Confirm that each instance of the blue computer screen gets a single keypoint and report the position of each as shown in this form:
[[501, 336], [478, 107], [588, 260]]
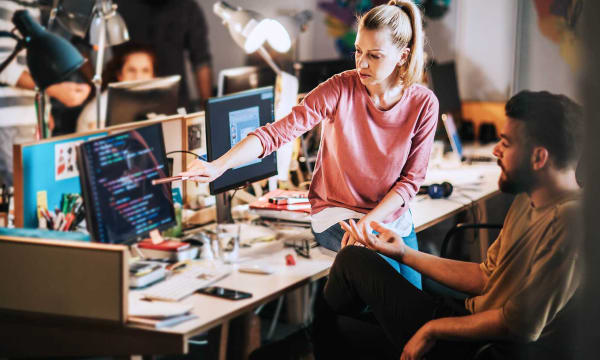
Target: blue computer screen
[[229, 119]]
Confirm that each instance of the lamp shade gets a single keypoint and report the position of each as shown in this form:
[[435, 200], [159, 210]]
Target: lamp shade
[[286, 30], [115, 28], [50, 58], [248, 29]]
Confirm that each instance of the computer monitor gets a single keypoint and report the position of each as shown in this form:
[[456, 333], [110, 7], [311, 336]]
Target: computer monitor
[[311, 73], [456, 144], [445, 86], [244, 78], [116, 175], [453, 136], [130, 101], [229, 119]]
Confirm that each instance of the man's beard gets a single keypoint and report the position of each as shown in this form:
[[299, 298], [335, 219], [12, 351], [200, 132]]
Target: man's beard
[[521, 179]]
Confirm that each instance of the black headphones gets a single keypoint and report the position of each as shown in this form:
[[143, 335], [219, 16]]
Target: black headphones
[[437, 191]]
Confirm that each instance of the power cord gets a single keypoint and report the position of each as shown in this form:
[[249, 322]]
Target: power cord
[[185, 152]]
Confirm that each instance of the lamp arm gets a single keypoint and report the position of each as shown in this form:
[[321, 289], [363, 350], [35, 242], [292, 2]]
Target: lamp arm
[[29, 4], [265, 55], [18, 48]]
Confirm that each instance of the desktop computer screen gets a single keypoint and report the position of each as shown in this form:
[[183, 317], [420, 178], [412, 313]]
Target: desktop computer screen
[[244, 78], [229, 119], [116, 174], [311, 73], [130, 101], [445, 86]]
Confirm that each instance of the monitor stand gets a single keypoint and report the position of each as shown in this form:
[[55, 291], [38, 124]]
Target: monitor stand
[[224, 208]]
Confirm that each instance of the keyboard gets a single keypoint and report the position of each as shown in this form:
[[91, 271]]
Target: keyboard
[[181, 285]]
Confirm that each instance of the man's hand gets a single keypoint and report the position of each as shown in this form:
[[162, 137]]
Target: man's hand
[[418, 345], [387, 242], [69, 93], [203, 171]]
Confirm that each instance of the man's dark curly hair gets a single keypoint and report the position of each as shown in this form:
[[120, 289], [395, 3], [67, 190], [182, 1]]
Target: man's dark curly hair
[[552, 121]]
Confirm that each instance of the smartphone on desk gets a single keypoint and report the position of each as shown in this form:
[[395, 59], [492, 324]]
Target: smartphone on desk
[[225, 293]]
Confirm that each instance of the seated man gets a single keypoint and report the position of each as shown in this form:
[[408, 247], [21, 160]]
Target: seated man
[[518, 294]]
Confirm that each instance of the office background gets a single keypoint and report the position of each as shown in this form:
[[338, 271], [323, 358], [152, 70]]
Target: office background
[[518, 56]]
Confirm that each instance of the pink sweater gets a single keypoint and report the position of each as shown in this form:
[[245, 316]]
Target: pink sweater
[[365, 152]]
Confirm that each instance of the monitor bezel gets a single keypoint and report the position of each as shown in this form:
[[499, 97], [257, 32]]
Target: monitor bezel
[[209, 150], [91, 217]]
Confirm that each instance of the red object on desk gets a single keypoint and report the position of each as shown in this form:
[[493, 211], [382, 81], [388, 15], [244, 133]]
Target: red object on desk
[[289, 260]]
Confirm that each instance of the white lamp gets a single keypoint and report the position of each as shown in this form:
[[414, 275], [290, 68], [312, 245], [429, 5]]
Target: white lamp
[[250, 31], [248, 28], [286, 30], [107, 29]]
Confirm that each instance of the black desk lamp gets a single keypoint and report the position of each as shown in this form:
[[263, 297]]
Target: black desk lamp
[[50, 58]]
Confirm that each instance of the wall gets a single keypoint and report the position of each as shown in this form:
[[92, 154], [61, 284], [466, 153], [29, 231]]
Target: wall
[[485, 41], [540, 65]]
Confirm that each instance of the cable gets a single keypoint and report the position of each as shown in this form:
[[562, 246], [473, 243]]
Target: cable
[[234, 191], [183, 151]]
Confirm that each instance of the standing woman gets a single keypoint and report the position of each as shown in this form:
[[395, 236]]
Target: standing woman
[[378, 126]]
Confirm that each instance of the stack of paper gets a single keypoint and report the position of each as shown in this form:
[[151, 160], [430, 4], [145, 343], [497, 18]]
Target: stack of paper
[[169, 249], [158, 314]]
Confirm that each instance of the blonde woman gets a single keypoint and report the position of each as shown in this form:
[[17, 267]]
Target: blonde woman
[[378, 125]]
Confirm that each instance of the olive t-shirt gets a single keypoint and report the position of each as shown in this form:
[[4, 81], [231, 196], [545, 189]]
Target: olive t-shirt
[[533, 267]]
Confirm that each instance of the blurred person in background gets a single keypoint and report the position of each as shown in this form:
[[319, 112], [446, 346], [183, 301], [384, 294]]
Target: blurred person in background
[[173, 27], [130, 62]]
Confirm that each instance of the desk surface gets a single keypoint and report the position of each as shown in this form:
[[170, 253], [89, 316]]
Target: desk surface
[[472, 183], [426, 212], [212, 311], [74, 340]]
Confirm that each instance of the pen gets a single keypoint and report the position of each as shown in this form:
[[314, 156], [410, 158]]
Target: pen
[[47, 217], [169, 179]]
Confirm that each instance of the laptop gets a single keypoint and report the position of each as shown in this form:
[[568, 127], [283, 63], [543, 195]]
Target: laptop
[[456, 143]]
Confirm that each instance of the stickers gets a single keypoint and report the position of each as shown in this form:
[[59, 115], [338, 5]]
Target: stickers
[[65, 160]]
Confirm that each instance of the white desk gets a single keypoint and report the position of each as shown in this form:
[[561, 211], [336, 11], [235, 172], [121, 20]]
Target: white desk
[[59, 337], [212, 311]]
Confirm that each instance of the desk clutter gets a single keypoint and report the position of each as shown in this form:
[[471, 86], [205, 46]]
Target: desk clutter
[[158, 314], [64, 218], [279, 204], [4, 204], [170, 250]]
